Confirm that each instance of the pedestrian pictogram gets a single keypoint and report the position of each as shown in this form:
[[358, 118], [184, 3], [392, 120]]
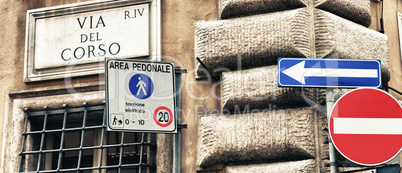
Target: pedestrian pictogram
[[117, 120], [141, 86]]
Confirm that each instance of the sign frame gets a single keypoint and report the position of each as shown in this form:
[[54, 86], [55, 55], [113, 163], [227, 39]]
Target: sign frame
[[32, 74], [174, 110], [325, 70]]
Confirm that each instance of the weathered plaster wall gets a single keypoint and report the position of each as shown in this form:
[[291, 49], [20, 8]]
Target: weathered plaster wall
[[179, 18], [391, 30], [12, 37]]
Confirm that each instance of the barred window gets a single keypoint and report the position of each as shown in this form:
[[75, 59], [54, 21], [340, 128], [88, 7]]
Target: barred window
[[75, 140]]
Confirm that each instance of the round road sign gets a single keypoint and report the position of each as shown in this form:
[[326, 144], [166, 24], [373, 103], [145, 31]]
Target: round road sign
[[366, 126], [141, 86], [163, 116]]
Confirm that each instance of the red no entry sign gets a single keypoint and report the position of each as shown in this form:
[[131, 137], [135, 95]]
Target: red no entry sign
[[366, 126]]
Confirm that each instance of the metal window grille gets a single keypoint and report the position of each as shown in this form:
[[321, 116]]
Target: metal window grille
[[76, 140]]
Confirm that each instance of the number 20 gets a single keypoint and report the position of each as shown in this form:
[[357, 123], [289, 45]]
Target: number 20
[[163, 117]]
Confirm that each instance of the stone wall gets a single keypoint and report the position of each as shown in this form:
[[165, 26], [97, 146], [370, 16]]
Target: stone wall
[[258, 40], [263, 126], [292, 166], [266, 135]]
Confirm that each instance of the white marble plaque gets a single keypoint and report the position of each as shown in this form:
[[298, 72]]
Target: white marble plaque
[[72, 40], [90, 37]]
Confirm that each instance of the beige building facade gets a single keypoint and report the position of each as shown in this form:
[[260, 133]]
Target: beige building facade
[[52, 99]]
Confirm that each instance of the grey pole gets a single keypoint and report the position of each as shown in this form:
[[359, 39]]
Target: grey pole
[[177, 136], [332, 151]]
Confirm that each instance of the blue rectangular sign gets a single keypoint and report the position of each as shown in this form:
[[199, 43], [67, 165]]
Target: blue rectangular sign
[[334, 73]]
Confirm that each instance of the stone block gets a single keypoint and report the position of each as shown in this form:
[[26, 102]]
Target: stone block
[[355, 10], [252, 41], [260, 136], [235, 8], [304, 166], [256, 41], [257, 88], [336, 37]]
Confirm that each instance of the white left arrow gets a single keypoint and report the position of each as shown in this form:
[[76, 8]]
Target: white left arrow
[[299, 72]]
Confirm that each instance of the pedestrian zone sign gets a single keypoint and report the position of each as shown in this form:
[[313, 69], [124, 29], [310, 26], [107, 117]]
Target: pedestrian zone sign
[[140, 96]]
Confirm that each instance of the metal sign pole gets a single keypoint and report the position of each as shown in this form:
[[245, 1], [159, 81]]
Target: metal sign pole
[[177, 136], [330, 101]]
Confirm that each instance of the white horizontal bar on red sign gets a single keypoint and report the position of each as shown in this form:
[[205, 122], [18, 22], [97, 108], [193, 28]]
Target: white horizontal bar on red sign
[[386, 126]]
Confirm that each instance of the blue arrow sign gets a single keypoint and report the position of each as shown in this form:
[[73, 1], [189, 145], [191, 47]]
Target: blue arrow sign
[[342, 73]]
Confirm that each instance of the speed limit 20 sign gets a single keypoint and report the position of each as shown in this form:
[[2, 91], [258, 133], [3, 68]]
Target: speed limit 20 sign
[[163, 116], [140, 96]]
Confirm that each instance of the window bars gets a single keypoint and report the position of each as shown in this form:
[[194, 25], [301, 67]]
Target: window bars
[[75, 140]]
